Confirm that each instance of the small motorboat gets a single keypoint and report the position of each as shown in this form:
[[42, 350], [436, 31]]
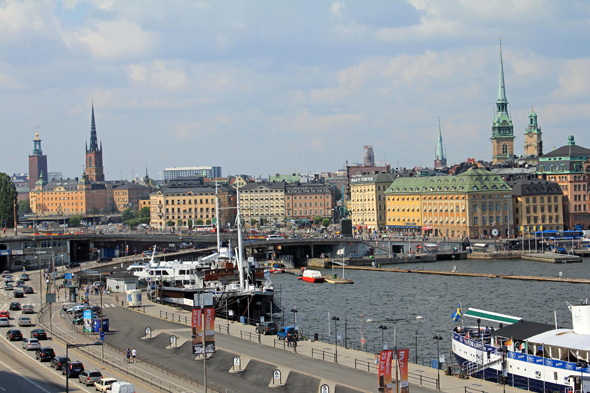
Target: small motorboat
[[312, 276]]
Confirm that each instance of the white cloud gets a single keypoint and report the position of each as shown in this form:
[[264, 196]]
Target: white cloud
[[111, 39], [574, 79], [8, 82], [201, 130], [336, 9], [16, 16]]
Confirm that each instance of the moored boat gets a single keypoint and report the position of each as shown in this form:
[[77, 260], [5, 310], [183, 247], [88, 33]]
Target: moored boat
[[338, 280], [312, 276]]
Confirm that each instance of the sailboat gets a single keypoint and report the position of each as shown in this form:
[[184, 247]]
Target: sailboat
[[334, 279]]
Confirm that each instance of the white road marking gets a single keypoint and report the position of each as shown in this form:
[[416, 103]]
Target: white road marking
[[25, 378]]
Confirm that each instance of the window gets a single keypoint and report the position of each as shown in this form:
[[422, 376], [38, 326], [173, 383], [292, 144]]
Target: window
[[483, 207], [475, 220], [484, 220]]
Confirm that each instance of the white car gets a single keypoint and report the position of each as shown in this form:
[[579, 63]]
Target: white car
[[76, 309], [104, 384], [25, 321], [31, 343], [4, 322]]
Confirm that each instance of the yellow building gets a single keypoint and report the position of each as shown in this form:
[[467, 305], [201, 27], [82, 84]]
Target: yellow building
[[367, 200], [263, 201]]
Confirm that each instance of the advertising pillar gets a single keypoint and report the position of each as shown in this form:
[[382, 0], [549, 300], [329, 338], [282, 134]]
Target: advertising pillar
[[385, 379]]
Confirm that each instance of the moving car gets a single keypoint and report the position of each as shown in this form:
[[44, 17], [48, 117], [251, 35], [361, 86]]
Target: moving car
[[4, 322], [31, 343], [39, 334], [72, 265], [103, 384], [104, 259], [8, 278], [89, 377], [44, 353], [28, 309], [24, 277], [122, 387], [72, 369], [19, 293], [29, 290], [267, 328], [5, 314], [14, 306], [25, 321], [14, 335], [6, 273], [58, 361]]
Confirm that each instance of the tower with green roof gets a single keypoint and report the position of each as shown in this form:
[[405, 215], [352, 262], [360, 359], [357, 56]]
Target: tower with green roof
[[533, 143], [502, 128]]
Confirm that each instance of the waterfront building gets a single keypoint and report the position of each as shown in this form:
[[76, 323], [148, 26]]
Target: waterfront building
[[502, 128], [37, 163], [565, 166], [204, 171], [440, 156], [470, 204], [94, 165], [308, 200], [367, 200], [533, 137], [127, 196], [536, 205], [263, 201], [184, 206]]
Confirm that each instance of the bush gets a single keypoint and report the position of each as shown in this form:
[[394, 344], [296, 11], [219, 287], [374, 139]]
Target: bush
[[135, 222]]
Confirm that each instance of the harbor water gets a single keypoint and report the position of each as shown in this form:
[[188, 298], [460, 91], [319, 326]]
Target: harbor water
[[378, 295]]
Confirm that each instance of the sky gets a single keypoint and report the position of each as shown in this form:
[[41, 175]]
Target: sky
[[265, 87]]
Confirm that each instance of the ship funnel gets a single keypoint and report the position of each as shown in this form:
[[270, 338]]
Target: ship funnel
[[580, 318]]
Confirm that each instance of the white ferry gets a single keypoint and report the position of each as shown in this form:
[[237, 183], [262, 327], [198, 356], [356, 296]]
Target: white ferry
[[528, 355]]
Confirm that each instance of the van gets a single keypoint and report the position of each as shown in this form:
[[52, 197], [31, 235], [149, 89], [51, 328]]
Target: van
[[122, 387], [285, 331], [274, 237]]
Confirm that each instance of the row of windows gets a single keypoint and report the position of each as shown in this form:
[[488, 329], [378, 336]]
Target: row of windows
[[489, 220], [544, 219], [541, 199], [190, 210], [190, 201], [300, 212], [489, 207], [578, 208], [189, 216], [541, 209]]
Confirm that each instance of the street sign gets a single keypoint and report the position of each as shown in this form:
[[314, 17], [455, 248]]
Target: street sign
[[102, 335], [148, 330], [385, 347], [173, 340], [50, 298], [325, 389], [494, 232], [276, 375], [68, 276], [237, 361]]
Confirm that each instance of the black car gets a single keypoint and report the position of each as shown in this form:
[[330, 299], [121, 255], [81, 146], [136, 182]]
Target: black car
[[73, 369], [14, 306], [104, 259], [19, 293], [29, 290], [44, 353], [267, 328], [14, 335], [39, 334], [72, 265], [58, 361]]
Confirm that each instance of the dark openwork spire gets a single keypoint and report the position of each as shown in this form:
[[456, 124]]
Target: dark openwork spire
[[93, 139]]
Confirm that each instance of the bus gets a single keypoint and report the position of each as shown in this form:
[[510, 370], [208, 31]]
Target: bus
[[559, 235]]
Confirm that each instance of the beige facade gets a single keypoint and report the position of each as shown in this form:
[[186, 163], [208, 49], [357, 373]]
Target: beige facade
[[128, 195], [367, 200], [263, 201], [308, 200], [537, 205]]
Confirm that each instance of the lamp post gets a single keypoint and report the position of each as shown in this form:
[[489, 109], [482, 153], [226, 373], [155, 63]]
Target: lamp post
[[294, 311], [395, 321], [67, 365], [416, 349], [437, 338], [382, 327], [336, 319], [504, 353], [582, 366]]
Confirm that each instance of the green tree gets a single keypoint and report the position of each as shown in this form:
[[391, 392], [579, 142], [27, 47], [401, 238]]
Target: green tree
[[170, 223], [179, 223], [127, 215], [208, 222], [325, 222], [75, 221], [8, 196], [144, 212], [190, 223], [252, 221], [337, 194], [317, 220], [199, 222], [24, 206]]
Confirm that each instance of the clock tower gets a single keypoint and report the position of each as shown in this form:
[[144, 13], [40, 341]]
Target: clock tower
[[502, 128], [533, 143]]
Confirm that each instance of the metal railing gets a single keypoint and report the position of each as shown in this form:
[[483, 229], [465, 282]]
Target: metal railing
[[422, 380], [324, 355]]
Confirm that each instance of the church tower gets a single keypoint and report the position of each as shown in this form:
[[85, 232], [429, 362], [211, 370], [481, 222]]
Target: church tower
[[440, 158], [533, 142], [502, 129], [37, 163], [94, 169]]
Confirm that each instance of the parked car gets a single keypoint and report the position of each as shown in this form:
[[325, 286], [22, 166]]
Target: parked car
[[104, 384], [58, 362], [14, 335], [28, 290], [28, 309], [104, 259], [25, 321], [14, 306], [44, 353], [67, 306], [72, 369], [284, 331], [72, 265], [76, 309], [88, 377], [19, 293], [267, 328], [31, 343], [39, 334]]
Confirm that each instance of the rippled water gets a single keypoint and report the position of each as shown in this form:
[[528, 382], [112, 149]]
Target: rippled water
[[434, 297]]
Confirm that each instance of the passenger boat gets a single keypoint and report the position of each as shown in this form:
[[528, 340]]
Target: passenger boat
[[312, 276], [528, 355]]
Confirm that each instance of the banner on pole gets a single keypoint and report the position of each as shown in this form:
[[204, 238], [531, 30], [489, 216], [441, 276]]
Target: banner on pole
[[402, 359], [210, 329], [197, 331], [385, 379]]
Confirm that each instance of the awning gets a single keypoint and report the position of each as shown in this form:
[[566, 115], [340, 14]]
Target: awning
[[491, 316], [427, 228], [482, 245]]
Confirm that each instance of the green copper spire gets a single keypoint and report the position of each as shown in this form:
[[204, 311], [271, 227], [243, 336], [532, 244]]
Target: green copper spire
[[501, 86]]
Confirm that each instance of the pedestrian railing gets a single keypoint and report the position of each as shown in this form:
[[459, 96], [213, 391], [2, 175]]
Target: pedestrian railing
[[422, 380], [186, 319], [324, 355]]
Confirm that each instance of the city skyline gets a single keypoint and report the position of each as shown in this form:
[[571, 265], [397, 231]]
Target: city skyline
[[278, 88]]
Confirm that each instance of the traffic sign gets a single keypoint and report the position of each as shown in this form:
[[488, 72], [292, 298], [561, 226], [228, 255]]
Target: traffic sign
[[325, 388], [148, 330], [102, 335], [277, 376], [494, 232], [172, 340]]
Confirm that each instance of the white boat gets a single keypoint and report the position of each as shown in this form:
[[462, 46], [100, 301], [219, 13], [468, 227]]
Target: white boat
[[527, 355]]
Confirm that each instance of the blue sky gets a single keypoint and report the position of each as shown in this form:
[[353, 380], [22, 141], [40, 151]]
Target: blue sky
[[276, 87]]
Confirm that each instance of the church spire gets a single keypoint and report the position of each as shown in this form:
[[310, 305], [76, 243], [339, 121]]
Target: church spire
[[440, 159], [501, 85], [93, 139], [502, 128]]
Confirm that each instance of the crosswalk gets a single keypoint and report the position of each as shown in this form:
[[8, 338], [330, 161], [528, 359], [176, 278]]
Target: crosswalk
[[4, 307]]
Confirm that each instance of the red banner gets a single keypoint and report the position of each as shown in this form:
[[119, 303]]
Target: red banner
[[385, 380], [197, 331], [402, 361], [210, 329]]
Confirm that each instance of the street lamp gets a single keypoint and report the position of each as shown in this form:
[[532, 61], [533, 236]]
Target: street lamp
[[582, 366], [336, 319], [437, 338], [504, 369], [294, 311], [67, 365], [382, 327]]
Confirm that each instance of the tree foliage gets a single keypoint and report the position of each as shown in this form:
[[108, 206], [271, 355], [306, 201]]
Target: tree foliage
[[190, 223], [170, 223], [317, 220], [325, 222], [208, 222], [24, 207], [144, 212], [127, 215], [75, 221], [8, 196], [199, 221]]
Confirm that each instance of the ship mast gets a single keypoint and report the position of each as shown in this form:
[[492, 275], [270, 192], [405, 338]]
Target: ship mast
[[240, 251], [217, 217]]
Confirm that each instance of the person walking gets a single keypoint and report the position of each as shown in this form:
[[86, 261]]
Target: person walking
[[128, 354], [134, 355]]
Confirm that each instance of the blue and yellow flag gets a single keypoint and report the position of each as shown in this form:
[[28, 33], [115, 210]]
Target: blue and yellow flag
[[458, 313]]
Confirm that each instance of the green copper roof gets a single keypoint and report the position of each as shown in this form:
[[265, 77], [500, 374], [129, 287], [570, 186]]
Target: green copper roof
[[474, 180]]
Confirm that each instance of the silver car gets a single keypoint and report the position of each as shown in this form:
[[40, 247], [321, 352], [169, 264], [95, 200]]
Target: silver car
[[31, 343], [88, 377], [28, 309]]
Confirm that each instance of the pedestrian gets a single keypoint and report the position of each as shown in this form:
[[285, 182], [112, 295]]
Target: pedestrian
[[134, 355], [289, 338], [295, 338], [128, 354]]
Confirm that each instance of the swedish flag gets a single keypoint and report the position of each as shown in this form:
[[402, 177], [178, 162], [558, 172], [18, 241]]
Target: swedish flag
[[458, 313]]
